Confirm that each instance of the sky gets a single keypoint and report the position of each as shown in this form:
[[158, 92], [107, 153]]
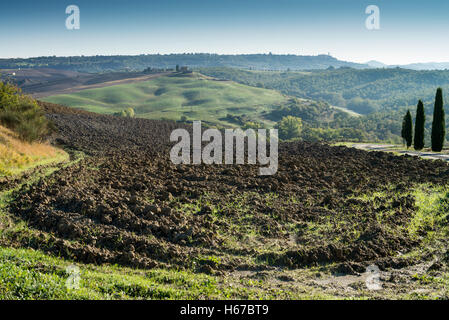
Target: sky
[[410, 31]]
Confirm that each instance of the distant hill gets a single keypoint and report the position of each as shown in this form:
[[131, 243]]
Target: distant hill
[[376, 64], [171, 97], [96, 64], [140, 62], [411, 66], [427, 66], [382, 95], [195, 97], [43, 82], [363, 91]]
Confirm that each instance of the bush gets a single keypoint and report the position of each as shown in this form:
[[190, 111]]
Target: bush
[[130, 112], [289, 128], [330, 134], [126, 113], [22, 114]]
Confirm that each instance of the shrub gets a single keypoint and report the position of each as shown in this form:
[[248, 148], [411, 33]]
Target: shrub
[[130, 112], [126, 113], [22, 114], [289, 128]]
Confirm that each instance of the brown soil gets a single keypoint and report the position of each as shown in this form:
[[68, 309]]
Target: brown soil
[[126, 203]]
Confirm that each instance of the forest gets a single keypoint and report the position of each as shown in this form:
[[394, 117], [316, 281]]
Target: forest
[[363, 91], [381, 96]]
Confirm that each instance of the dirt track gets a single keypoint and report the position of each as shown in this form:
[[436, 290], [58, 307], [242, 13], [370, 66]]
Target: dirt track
[[126, 203]]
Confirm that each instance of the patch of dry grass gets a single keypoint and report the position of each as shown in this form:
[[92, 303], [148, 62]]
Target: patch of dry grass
[[16, 155]]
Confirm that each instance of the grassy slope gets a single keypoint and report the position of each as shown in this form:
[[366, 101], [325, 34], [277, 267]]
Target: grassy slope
[[17, 156], [170, 97]]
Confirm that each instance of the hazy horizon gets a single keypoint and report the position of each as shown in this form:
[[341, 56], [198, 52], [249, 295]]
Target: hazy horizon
[[410, 31], [232, 54]]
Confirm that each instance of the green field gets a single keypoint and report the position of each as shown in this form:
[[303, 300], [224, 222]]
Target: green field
[[170, 97]]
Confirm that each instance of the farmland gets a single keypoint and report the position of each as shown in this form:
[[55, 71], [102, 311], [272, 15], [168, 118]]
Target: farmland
[[171, 97], [310, 231]]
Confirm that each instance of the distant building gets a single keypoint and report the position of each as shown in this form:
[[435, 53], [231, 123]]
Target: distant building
[[158, 70], [185, 70]]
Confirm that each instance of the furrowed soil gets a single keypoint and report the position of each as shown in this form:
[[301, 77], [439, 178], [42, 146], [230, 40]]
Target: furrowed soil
[[328, 209]]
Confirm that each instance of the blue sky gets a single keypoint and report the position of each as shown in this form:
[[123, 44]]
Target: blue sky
[[411, 31]]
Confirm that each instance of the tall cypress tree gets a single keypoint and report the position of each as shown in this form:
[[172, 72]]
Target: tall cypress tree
[[403, 130], [438, 124], [407, 129], [418, 141]]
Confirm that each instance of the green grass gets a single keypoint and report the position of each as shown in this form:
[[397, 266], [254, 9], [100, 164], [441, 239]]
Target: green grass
[[30, 274], [432, 213], [170, 97]]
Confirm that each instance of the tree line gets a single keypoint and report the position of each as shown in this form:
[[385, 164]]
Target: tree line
[[198, 60], [438, 125]]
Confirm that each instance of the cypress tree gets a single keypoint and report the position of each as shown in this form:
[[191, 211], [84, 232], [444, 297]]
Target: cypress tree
[[408, 129], [438, 124], [418, 141], [403, 130]]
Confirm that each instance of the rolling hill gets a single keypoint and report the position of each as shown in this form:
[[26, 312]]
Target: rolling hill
[[43, 82], [194, 96], [381, 95], [363, 91]]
